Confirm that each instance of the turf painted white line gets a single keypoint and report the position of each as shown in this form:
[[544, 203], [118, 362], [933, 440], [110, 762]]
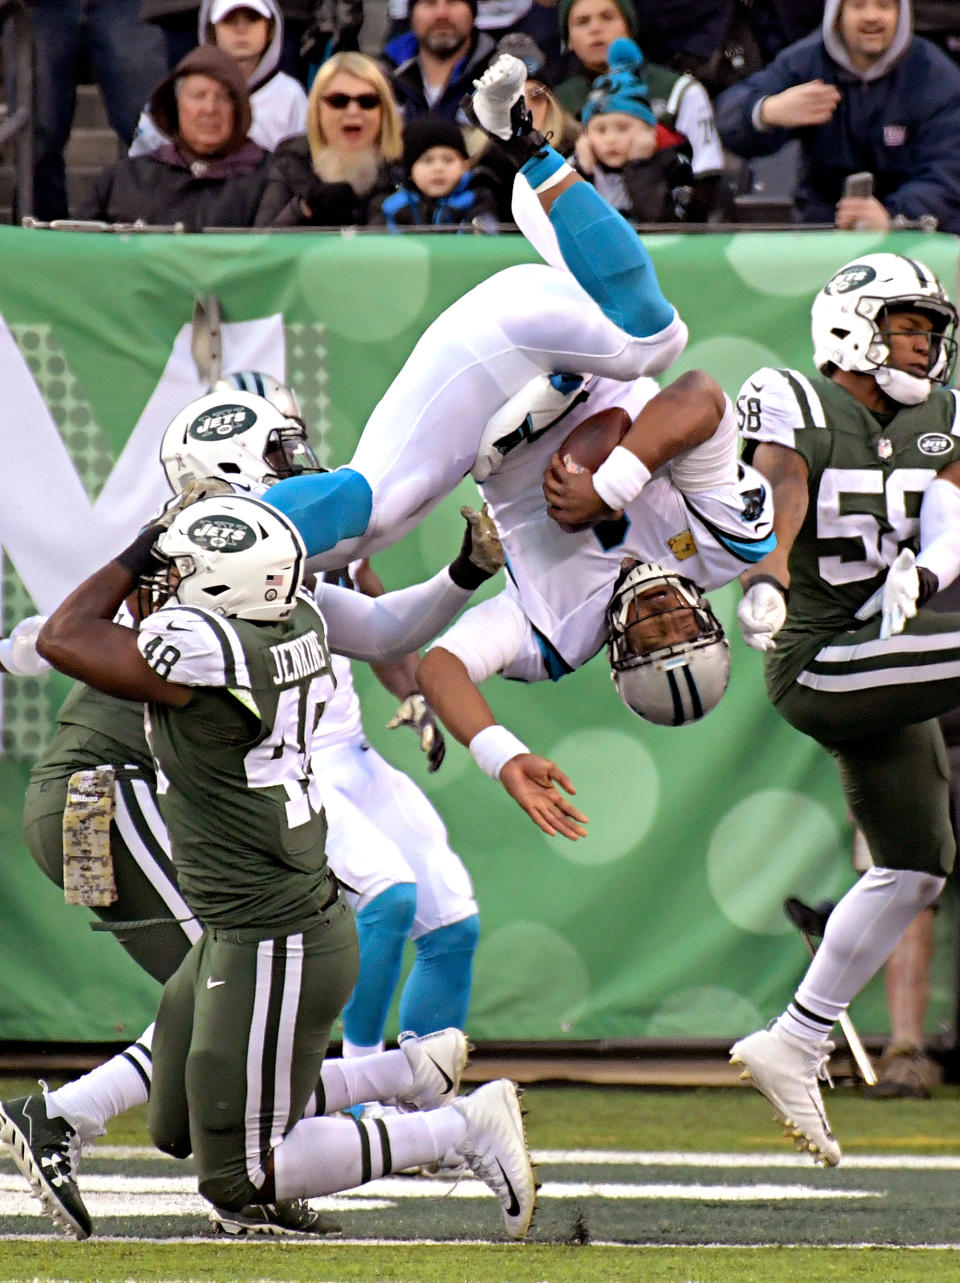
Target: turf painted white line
[[116, 1196], [641, 1158]]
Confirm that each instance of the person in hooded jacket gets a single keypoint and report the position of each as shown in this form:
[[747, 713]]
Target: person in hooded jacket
[[862, 94], [210, 173], [252, 32], [329, 176]]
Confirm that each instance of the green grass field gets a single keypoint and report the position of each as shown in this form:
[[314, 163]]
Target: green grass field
[[639, 1185]]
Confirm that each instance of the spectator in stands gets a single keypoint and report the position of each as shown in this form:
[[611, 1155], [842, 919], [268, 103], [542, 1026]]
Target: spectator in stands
[[535, 19], [126, 57], [680, 103], [209, 174], [550, 117], [348, 156], [863, 94], [619, 150], [252, 32], [440, 187], [334, 28], [177, 22], [451, 55]]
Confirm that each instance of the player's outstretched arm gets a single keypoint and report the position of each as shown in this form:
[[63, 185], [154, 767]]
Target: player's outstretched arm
[[684, 414], [529, 779], [400, 679]]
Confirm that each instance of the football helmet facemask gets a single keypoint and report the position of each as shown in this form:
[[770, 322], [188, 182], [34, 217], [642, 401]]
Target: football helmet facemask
[[669, 659], [230, 554], [237, 436], [848, 315]]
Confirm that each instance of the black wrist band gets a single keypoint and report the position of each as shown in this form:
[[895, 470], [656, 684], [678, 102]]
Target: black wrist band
[[466, 575], [929, 584], [768, 579], [137, 559]]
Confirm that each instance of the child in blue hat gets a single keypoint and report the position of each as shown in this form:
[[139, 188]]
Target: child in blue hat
[[643, 170]]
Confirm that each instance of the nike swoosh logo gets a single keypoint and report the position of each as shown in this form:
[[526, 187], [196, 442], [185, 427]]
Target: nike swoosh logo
[[757, 387], [212, 984], [513, 1207], [443, 1074], [176, 628]]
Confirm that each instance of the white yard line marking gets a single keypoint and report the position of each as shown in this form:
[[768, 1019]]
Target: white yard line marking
[[641, 1158]]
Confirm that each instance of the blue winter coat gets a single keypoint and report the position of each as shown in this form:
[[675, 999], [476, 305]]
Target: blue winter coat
[[904, 127]]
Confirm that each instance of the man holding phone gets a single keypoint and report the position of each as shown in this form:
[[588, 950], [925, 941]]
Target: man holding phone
[[868, 100]]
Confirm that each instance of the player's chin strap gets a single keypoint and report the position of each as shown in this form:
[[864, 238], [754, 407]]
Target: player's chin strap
[[904, 388]]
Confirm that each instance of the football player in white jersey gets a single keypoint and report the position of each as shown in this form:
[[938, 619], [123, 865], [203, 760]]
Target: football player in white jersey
[[702, 518], [594, 308]]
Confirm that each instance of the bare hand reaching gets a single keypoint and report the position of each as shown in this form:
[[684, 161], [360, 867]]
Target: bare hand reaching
[[531, 781]]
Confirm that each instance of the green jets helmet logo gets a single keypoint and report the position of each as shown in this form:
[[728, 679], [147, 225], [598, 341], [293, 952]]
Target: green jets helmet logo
[[850, 278], [222, 421], [222, 533]]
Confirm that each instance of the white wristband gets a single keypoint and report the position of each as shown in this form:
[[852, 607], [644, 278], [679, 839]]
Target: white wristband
[[493, 747], [620, 477]]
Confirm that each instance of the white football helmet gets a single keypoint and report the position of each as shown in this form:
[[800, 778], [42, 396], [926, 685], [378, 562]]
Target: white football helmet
[[232, 555], [846, 316], [265, 385], [669, 659], [236, 436]]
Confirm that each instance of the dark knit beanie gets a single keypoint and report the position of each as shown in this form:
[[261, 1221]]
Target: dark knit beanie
[[529, 52], [563, 16], [424, 132], [471, 3]]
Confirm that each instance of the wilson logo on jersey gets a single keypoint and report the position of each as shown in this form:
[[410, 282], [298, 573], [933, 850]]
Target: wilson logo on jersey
[[935, 443], [224, 421], [222, 534], [850, 278]]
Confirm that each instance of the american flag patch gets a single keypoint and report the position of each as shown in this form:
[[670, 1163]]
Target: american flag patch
[[274, 579], [894, 135]]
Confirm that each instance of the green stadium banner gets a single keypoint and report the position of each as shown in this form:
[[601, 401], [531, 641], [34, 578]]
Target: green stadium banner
[[666, 922]]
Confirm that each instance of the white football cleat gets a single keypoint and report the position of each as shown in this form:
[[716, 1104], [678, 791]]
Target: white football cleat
[[496, 93], [788, 1073], [437, 1061], [495, 1147]]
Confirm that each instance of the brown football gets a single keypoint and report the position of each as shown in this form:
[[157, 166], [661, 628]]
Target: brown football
[[589, 443]]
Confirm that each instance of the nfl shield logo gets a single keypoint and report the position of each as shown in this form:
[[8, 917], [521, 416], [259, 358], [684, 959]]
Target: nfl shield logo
[[884, 448], [894, 135]]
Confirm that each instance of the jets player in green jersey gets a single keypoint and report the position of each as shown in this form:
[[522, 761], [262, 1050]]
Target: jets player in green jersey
[[864, 461], [232, 662]]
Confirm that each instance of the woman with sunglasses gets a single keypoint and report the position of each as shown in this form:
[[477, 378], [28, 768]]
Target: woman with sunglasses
[[348, 156]]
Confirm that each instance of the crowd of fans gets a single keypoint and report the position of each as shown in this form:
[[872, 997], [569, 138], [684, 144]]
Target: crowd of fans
[[242, 113]]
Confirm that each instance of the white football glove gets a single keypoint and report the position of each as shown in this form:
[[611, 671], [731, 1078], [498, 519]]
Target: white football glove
[[901, 588], [761, 615], [18, 652], [415, 713]]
